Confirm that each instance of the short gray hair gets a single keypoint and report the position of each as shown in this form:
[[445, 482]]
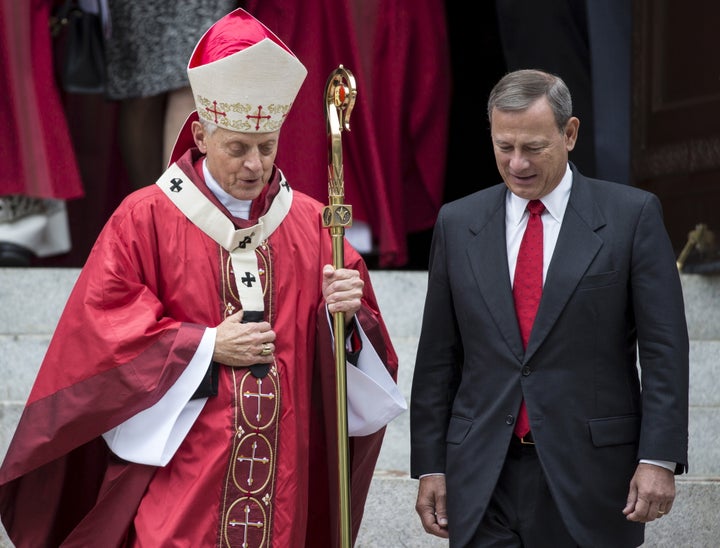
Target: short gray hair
[[517, 90], [209, 127]]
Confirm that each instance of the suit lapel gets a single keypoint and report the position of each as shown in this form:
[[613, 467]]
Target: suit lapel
[[577, 245], [487, 254]]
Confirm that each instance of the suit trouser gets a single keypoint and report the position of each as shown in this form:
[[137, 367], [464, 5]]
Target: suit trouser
[[522, 512]]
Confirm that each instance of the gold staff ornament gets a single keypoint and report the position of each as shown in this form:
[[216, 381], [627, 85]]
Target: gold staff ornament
[[340, 94]]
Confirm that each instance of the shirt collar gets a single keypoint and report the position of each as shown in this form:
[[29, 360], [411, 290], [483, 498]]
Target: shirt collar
[[555, 202], [239, 208]]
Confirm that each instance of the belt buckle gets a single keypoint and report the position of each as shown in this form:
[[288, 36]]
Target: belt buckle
[[527, 439]]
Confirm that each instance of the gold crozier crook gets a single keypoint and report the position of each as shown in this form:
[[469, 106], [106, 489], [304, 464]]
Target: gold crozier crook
[[340, 93]]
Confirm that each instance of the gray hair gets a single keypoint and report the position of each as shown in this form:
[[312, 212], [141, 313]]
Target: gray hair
[[209, 127], [518, 90]]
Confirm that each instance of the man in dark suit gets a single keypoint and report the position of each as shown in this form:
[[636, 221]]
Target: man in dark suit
[[605, 442]]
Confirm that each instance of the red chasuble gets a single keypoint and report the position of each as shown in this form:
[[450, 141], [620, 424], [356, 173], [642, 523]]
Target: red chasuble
[[152, 284]]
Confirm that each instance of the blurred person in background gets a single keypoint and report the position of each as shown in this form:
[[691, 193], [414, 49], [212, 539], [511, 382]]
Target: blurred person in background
[[147, 48], [40, 171]]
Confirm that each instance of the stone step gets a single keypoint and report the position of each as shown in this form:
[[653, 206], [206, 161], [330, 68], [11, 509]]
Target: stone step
[[31, 301], [390, 520]]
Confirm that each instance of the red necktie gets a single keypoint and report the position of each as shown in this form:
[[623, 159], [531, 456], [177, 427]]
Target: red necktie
[[527, 288]]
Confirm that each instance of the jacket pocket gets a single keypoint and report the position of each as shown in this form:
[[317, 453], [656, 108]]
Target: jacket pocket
[[458, 429], [595, 281], [614, 430]]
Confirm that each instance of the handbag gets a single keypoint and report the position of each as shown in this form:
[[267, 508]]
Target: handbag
[[80, 47]]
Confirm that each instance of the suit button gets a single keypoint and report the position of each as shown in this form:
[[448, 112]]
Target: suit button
[[526, 371], [509, 419]]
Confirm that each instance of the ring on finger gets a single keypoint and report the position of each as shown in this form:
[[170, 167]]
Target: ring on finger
[[266, 350]]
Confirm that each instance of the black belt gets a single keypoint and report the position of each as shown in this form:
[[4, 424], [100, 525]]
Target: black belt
[[522, 447], [526, 442], [527, 439]]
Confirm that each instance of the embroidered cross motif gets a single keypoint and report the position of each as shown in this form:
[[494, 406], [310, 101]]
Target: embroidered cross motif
[[252, 459], [215, 111], [285, 185], [175, 185], [259, 395], [245, 524], [252, 465], [258, 117], [248, 279], [246, 240]]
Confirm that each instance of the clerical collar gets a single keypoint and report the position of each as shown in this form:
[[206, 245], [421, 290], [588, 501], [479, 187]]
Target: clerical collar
[[238, 208]]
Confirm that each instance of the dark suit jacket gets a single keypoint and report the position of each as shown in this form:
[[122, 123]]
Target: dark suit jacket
[[612, 298]]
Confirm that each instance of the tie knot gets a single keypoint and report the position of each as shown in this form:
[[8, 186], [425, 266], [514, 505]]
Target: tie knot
[[535, 207]]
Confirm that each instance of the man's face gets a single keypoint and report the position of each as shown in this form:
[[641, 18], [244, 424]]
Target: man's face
[[531, 153], [240, 162]]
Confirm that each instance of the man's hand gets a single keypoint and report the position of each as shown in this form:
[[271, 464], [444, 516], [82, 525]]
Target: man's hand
[[430, 505], [241, 344], [342, 290], [651, 494]]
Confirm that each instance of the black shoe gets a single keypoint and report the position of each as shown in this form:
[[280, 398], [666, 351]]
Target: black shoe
[[15, 255]]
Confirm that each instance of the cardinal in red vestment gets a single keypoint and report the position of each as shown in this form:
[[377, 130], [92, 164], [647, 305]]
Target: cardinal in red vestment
[[187, 397]]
